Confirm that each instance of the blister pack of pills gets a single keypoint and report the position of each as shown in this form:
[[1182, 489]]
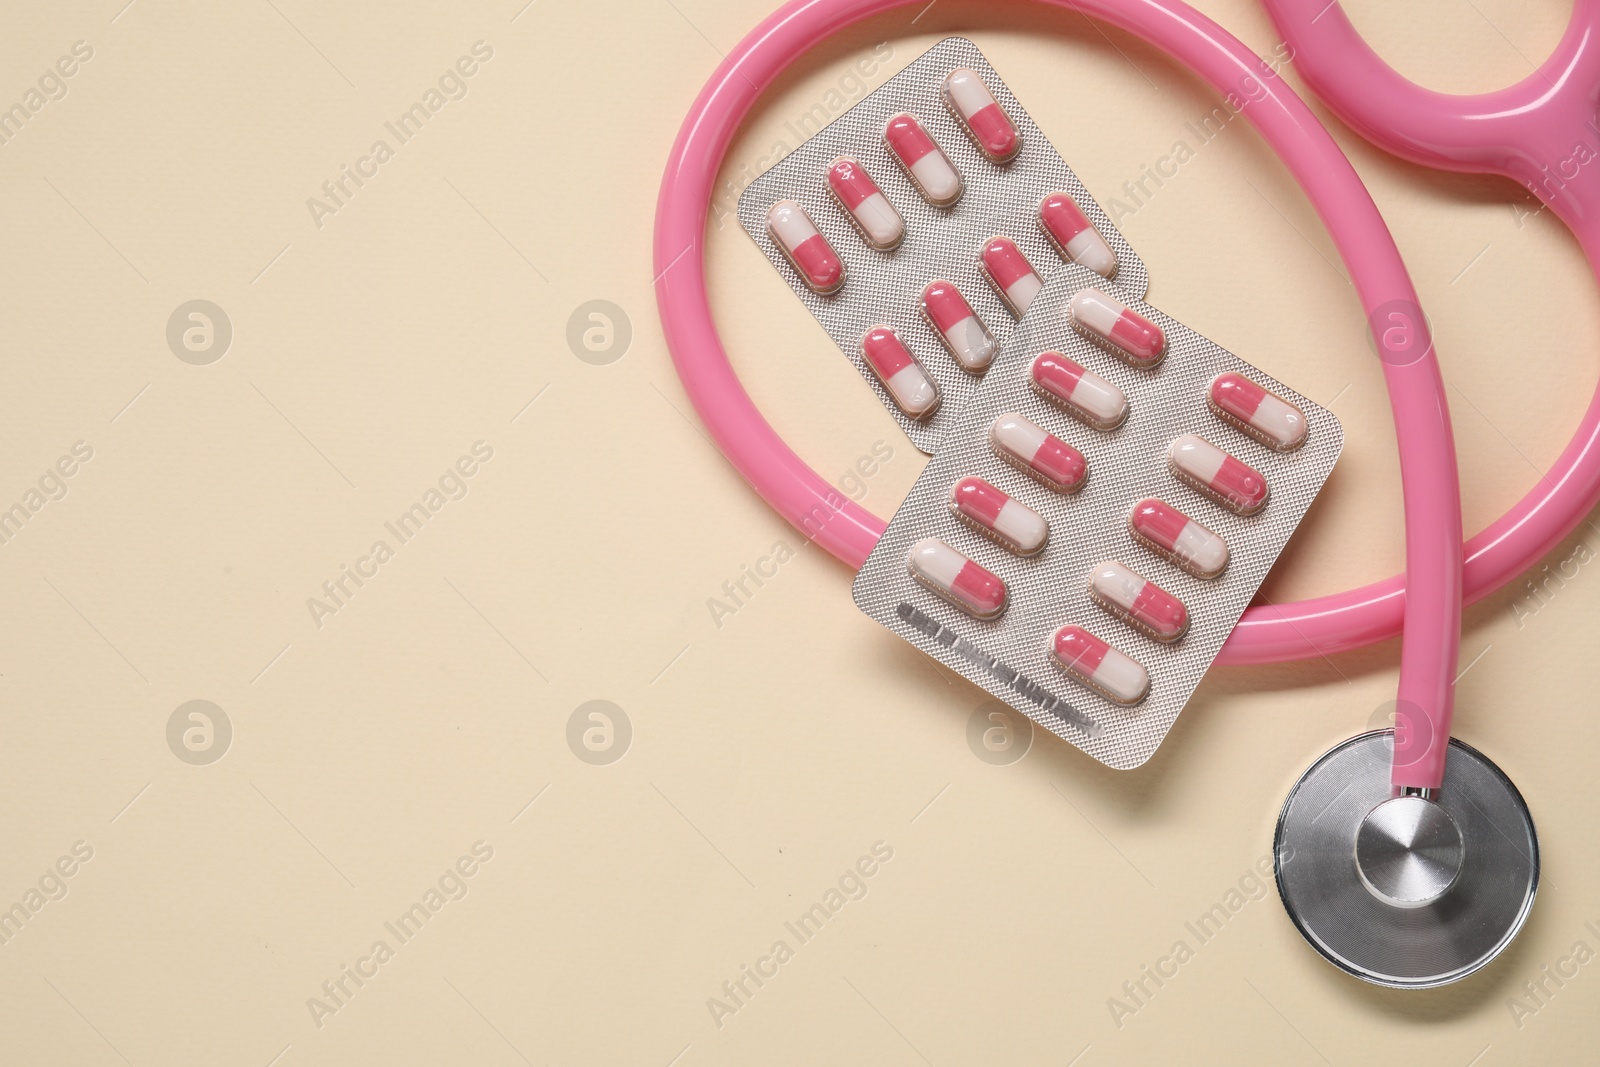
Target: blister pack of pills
[[919, 224], [1098, 517]]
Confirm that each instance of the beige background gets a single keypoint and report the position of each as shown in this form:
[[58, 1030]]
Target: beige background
[[767, 755]]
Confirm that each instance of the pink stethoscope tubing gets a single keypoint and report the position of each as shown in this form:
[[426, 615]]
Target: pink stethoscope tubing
[[1431, 611]]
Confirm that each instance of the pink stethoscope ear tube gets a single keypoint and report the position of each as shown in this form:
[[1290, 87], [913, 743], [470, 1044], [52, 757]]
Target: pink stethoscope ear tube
[[1431, 615]]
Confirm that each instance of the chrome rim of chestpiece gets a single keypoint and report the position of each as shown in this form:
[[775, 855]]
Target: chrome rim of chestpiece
[[1406, 891]]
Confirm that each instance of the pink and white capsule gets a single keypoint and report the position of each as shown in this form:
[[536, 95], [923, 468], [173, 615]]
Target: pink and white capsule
[[1074, 237], [1168, 531], [1043, 455], [1012, 276], [967, 338], [857, 193], [968, 585], [1099, 666], [923, 160], [1082, 391], [819, 265], [1010, 522], [902, 376], [1130, 334], [991, 128], [1270, 419], [1235, 485], [1138, 601]]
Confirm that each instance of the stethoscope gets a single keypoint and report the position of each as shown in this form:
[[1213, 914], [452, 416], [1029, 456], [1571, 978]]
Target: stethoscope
[[1403, 856]]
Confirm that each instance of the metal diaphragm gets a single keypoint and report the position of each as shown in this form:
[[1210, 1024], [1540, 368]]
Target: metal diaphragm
[[1408, 892]]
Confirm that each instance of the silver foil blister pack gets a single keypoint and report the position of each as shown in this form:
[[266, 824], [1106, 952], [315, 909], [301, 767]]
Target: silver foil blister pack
[[885, 287], [1011, 656]]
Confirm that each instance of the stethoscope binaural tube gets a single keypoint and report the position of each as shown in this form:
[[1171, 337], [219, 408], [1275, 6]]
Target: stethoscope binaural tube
[[1433, 517], [1529, 133]]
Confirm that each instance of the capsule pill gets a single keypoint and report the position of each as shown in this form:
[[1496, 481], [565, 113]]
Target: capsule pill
[[1130, 335], [903, 377], [1028, 446], [1203, 466], [804, 246], [968, 585], [1170, 533], [995, 514], [1012, 276], [1138, 601], [1099, 666], [1080, 390], [923, 160], [962, 332], [980, 113], [879, 223], [1074, 236], [1265, 416]]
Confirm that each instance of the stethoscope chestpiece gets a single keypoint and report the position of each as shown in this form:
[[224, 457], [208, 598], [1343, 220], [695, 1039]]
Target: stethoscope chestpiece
[[1412, 890]]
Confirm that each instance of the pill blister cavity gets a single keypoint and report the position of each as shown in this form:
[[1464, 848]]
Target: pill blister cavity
[[1013, 277], [900, 373], [1138, 601], [1074, 237], [818, 265], [992, 512], [958, 326], [985, 121], [962, 582], [1229, 481], [1096, 664], [1129, 334], [875, 218], [924, 162], [1029, 447], [1177, 538], [1079, 390], [1263, 415]]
